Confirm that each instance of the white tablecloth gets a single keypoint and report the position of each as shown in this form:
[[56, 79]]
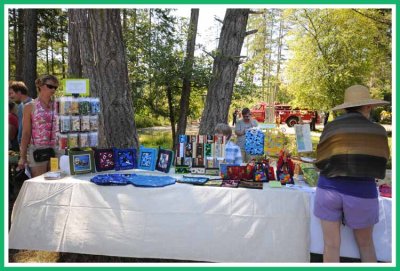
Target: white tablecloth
[[180, 221]]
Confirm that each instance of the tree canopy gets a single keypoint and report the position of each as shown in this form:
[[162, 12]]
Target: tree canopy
[[305, 57]]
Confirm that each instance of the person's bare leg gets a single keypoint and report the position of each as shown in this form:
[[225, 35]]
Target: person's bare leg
[[331, 232], [365, 244]]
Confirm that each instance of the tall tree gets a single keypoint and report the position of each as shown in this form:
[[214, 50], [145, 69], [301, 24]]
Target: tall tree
[[226, 62], [30, 48], [335, 48], [19, 43], [104, 63], [74, 57], [188, 69]]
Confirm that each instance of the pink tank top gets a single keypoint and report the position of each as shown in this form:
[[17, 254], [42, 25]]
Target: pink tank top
[[44, 126]]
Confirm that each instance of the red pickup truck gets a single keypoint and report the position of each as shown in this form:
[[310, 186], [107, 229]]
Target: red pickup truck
[[285, 113]]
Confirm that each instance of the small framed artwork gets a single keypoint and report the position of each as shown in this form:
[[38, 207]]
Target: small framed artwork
[[182, 169], [147, 158], [124, 158], [104, 159], [198, 170], [164, 160], [303, 137], [81, 162]]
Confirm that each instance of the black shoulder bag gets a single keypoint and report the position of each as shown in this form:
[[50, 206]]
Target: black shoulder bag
[[42, 155]]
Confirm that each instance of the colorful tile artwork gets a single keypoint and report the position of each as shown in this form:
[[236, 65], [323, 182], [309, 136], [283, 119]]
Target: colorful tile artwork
[[200, 151]]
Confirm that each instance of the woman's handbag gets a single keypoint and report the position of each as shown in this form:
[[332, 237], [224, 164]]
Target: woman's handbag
[[42, 155]]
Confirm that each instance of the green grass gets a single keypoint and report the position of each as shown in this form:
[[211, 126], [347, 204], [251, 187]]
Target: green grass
[[155, 139]]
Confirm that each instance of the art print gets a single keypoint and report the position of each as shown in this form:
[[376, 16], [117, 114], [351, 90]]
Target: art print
[[125, 158], [104, 159], [303, 138], [164, 160], [81, 162], [147, 158]]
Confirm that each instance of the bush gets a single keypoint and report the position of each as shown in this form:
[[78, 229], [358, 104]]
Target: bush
[[385, 117]]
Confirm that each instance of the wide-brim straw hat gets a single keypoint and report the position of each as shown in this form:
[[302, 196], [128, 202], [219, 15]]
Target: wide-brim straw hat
[[358, 95]]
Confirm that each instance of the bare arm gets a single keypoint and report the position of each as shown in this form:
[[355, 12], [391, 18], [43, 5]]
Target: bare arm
[[26, 134]]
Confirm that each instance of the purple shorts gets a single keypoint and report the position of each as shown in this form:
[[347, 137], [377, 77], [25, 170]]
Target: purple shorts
[[357, 213]]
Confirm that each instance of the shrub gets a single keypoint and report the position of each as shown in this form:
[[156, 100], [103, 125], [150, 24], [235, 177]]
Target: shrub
[[385, 117]]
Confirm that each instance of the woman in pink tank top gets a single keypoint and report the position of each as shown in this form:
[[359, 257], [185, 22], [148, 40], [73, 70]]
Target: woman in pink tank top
[[39, 125]]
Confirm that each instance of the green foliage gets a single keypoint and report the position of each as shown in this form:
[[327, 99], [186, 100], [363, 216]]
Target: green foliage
[[52, 41], [334, 49], [385, 117], [259, 75], [155, 42]]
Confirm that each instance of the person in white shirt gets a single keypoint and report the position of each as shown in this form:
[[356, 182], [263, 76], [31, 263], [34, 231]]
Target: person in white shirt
[[233, 154]]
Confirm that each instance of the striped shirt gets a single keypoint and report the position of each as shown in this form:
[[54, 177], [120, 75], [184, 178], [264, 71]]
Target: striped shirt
[[353, 146]]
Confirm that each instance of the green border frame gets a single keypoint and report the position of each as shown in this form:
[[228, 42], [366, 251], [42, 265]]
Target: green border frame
[[187, 2], [71, 157]]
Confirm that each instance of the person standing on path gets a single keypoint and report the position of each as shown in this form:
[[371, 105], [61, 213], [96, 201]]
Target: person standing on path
[[39, 125], [235, 115], [18, 92], [352, 152]]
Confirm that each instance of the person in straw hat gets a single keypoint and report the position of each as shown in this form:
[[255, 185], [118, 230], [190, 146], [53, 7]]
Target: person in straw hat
[[352, 152]]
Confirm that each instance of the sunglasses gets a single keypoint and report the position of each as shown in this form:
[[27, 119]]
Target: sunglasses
[[51, 86]]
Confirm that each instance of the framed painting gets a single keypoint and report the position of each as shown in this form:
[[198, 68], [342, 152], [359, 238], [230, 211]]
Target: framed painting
[[104, 159], [81, 162], [303, 137], [147, 158], [164, 160], [179, 169], [124, 158]]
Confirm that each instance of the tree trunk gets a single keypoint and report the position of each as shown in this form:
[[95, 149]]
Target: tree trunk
[[171, 113], [13, 44], [63, 53], [279, 58], [74, 57], [52, 56], [30, 48], [225, 67], [104, 63], [47, 58], [188, 66], [19, 44]]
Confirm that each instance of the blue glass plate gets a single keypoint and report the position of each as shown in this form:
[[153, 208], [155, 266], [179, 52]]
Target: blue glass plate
[[112, 179], [151, 181]]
